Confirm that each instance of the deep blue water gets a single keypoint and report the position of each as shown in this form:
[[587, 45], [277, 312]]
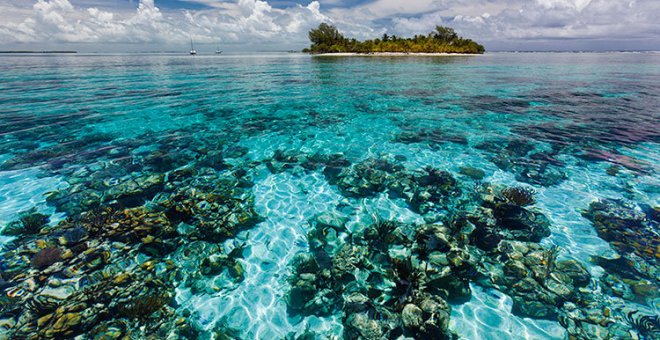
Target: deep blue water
[[576, 128]]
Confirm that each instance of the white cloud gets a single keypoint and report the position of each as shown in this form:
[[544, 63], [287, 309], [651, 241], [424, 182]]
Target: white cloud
[[550, 22], [60, 21], [258, 23], [576, 4]]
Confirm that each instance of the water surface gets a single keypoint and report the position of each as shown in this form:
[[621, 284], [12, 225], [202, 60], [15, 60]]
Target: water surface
[[576, 128]]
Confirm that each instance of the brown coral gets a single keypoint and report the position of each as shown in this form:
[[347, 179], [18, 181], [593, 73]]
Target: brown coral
[[142, 307], [46, 257]]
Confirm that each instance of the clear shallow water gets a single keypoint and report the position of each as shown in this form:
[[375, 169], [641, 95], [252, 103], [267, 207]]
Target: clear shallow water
[[585, 114]]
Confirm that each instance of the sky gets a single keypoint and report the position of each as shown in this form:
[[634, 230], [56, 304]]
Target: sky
[[280, 25]]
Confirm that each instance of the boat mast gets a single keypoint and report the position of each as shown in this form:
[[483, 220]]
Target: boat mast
[[192, 48]]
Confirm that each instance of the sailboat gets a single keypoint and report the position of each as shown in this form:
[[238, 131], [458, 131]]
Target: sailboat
[[218, 51], [192, 48]]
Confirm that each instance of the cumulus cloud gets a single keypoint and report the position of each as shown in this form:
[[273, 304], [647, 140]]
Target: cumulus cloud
[[521, 23], [576, 4], [243, 20], [256, 22]]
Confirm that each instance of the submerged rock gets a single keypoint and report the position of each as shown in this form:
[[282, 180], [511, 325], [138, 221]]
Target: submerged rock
[[46, 257], [96, 273], [367, 178], [634, 234], [29, 223], [434, 190], [360, 326], [485, 237], [383, 294], [517, 156], [310, 292], [432, 137], [217, 207], [134, 191], [506, 215], [474, 173], [412, 316], [520, 223], [626, 227], [538, 284]]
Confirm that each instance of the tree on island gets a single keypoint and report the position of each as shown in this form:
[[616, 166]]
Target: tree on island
[[327, 39]]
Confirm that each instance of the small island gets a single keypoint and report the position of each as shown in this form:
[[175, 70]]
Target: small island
[[326, 39]]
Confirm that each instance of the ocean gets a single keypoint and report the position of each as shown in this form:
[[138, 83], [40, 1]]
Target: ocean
[[505, 195]]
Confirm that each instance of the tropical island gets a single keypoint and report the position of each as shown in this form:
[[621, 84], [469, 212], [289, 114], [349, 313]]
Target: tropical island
[[326, 39]]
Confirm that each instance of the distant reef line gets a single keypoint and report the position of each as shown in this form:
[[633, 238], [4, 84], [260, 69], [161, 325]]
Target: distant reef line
[[27, 52], [327, 39]]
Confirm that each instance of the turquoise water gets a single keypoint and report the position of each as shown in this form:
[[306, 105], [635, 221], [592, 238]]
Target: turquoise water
[[82, 133]]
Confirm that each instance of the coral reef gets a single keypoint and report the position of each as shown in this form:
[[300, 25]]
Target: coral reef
[[109, 270], [394, 279], [167, 218], [173, 209], [520, 196], [432, 137], [29, 223], [634, 234], [382, 294], [521, 158]]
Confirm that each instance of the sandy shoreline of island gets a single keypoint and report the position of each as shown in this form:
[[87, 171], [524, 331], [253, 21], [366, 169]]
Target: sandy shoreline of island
[[393, 54]]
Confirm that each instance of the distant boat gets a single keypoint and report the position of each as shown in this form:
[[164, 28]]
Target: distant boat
[[218, 51], [192, 48]]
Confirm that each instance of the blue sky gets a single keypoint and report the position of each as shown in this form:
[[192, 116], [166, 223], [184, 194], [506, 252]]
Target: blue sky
[[250, 25]]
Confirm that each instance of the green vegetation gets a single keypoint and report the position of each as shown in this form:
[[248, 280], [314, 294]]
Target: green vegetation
[[327, 39]]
